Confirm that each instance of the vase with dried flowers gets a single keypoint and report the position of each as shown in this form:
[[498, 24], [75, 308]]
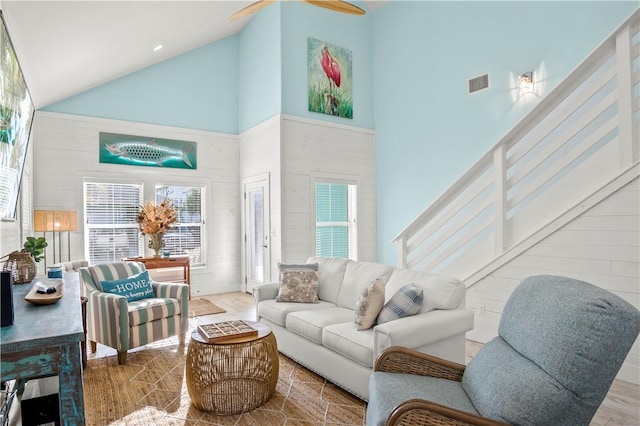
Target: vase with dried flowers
[[155, 220]]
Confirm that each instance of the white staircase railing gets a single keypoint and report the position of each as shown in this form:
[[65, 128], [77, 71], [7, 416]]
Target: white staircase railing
[[575, 141]]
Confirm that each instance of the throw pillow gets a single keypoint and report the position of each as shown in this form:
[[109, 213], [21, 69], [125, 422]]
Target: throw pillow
[[407, 301], [369, 305], [297, 267], [298, 283], [134, 288]]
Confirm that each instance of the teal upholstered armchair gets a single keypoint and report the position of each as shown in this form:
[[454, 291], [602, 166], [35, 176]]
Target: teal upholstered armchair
[[115, 322], [560, 344]]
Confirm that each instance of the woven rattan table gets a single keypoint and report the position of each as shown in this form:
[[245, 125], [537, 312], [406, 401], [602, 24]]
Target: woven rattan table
[[231, 378]]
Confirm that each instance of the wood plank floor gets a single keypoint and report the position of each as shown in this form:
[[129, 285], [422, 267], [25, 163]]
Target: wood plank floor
[[621, 407]]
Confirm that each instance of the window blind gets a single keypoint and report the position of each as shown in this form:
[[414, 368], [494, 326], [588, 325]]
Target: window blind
[[111, 229], [336, 234], [187, 236]]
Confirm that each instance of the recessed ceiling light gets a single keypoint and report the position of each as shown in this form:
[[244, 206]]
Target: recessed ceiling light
[[158, 47]]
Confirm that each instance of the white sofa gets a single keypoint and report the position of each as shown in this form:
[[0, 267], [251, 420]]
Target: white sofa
[[323, 337]]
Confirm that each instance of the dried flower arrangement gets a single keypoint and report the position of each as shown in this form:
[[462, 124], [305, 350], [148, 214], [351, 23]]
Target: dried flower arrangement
[[156, 218]]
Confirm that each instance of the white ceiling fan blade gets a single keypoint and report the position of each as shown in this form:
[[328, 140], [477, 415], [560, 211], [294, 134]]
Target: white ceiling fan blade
[[337, 6], [252, 8]]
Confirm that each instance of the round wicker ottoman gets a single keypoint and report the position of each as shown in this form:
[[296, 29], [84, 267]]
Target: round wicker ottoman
[[231, 378]]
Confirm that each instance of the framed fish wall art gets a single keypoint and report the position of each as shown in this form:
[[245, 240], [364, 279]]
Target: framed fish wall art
[[330, 79], [145, 151]]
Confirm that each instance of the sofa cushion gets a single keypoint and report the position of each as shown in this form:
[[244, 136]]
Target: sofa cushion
[[331, 276], [596, 327], [349, 342], [310, 323], [147, 310], [369, 305], [277, 312], [406, 302], [497, 373], [357, 277], [440, 292], [298, 283], [387, 390]]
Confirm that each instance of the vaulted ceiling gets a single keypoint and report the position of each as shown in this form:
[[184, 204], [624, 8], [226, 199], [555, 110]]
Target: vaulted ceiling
[[67, 47]]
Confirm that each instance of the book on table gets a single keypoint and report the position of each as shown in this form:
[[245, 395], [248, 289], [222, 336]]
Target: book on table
[[227, 331]]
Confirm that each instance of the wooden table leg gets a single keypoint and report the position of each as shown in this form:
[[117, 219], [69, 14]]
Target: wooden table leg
[[70, 389]]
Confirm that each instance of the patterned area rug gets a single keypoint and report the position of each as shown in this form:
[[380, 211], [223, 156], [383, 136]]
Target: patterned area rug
[[200, 307], [151, 390]]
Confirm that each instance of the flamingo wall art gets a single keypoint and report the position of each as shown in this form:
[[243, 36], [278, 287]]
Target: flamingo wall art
[[330, 79]]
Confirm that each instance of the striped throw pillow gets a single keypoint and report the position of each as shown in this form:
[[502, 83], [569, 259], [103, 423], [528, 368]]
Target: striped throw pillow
[[407, 301]]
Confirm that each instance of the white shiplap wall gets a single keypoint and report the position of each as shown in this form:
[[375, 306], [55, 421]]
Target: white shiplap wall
[[260, 155], [601, 246], [313, 148], [66, 153]]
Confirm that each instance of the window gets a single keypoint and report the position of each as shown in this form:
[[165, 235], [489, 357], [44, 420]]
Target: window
[[187, 235], [336, 212], [111, 230]]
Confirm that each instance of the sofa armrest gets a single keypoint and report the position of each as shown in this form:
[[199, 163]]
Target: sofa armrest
[[421, 411], [397, 359], [420, 330], [171, 290], [175, 291], [107, 308], [265, 292]]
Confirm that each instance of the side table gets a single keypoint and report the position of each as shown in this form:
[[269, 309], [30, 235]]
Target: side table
[[233, 377], [45, 341], [167, 262]]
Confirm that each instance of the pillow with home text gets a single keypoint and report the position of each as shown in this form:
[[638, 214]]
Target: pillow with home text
[[134, 288]]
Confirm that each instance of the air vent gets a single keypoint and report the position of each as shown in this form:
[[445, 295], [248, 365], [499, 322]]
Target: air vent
[[479, 83]]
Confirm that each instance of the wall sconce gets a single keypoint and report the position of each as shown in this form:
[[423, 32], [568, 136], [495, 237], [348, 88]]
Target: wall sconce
[[525, 83], [56, 221]]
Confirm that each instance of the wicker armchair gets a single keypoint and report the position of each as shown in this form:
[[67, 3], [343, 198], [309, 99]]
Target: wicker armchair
[[419, 412], [560, 344]]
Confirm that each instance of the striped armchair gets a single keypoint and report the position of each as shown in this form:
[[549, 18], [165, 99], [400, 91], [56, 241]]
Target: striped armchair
[[123, 325]]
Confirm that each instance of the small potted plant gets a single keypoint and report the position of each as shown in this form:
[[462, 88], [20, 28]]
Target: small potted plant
[[35, 247], [22, 264]]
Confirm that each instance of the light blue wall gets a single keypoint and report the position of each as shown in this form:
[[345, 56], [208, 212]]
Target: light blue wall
[[260, 70], [353, 32], [196, 90], [411, 63], [429, 131]]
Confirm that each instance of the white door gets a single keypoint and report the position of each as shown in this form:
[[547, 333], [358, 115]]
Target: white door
[[256, 232]]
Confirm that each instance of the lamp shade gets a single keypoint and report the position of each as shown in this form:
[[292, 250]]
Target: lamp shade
[[66, 220], [55, 220]]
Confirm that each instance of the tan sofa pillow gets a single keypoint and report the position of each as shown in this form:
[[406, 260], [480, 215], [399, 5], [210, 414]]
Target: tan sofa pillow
[[369, 305], [298, 283]]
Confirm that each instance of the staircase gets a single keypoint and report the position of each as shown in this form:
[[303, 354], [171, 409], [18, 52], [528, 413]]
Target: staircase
[[559, 194], [576, 147]]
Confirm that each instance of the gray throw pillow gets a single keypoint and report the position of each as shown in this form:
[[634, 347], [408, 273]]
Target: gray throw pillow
[[407, 301]]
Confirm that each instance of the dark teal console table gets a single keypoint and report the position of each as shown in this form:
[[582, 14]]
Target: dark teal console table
[[44, 340]]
